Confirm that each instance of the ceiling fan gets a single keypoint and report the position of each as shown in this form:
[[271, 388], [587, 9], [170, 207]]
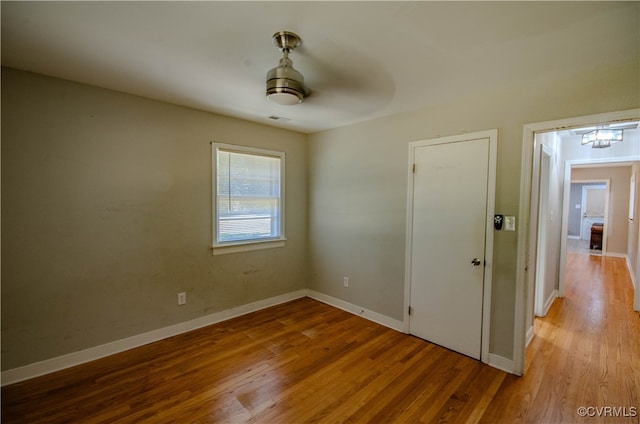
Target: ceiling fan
[[343, 80], [285, 85]]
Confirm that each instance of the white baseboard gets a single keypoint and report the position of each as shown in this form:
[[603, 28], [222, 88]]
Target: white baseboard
[[501, 363], [357, 310], [573, 237], [634, 281], [76, 358], [530, 336], [495, 361], [631, 273], [549, 302], [615, 255]]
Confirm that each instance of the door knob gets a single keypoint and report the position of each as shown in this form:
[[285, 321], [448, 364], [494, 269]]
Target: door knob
[[476, 262]]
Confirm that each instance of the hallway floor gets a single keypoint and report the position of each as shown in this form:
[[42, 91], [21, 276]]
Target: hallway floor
[[585, 356], [581, 246]]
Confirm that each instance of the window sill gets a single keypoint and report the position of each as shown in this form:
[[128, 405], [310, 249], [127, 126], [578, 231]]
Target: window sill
[[247, 246]]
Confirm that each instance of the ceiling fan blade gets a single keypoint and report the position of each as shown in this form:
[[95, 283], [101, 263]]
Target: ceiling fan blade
[[346, 81]]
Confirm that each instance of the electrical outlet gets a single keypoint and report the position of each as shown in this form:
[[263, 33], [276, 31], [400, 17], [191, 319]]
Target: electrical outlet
[[182, 298], [345, 281]]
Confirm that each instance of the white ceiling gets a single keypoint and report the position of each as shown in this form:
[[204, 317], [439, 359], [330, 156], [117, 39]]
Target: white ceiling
[[361, 60]]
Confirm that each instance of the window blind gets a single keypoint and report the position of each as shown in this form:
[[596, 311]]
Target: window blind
[[248, 196]]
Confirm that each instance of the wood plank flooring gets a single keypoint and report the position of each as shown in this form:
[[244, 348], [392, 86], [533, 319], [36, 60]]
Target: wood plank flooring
[[586, 353], [306, 362]]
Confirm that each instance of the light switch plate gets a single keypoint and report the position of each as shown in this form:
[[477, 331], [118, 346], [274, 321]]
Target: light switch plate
[[509, 223]]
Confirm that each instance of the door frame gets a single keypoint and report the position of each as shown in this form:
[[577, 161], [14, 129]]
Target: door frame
[[525, 259], [492, 135]]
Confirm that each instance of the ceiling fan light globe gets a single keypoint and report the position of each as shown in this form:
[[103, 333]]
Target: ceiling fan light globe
[[284, 98]]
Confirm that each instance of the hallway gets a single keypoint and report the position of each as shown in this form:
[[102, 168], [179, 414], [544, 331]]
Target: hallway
[[585, 353]]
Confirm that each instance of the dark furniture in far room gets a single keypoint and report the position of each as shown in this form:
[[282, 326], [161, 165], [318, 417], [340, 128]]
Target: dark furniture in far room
[[596, 236]]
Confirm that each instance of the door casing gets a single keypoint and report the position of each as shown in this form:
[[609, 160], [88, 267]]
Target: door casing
[[492, 135], [543, 224]]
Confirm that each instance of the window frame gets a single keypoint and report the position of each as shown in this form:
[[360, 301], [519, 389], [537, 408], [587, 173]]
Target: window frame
[[249, 244]]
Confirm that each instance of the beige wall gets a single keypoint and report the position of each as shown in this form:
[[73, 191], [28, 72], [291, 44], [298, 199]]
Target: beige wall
[[106, 215], [618, 227], [358, 183]]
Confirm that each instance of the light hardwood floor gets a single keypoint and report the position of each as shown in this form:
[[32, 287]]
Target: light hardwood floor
[[306, 362], [586, 353]]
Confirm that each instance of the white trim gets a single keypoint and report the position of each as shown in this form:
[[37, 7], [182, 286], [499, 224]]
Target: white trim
[[76, 358], [615, 255], [357, 310], [549, 302], [493, 360], [542, 231], [492, 135], [634, 281], [523, 257], [564, 228], [631, 273], [488, 269], [524, 278], [530, 335], [501, 363], [247, 247]]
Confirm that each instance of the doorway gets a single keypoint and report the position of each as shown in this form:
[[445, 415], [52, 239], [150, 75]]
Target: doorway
[[588, 205], [527, 235], [451, 196]]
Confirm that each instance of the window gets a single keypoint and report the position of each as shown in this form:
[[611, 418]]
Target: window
[[248, 198]]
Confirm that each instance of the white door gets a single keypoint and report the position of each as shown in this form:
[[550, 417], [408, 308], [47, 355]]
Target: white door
[[448, 224], [593, 207]]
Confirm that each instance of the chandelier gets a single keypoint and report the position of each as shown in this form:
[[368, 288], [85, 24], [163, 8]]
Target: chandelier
[[602, 137]]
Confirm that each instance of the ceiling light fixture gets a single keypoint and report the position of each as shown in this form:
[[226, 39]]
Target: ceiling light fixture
[[285, 85], [602, 137]]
